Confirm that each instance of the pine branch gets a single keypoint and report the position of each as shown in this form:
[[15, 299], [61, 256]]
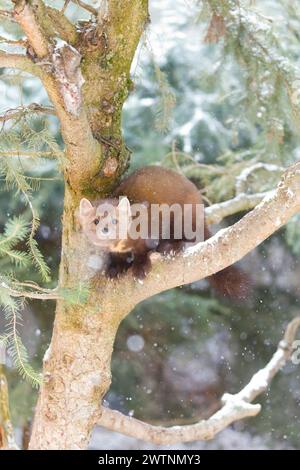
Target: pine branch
[[12, 340], [22, 111], [250, 38], [167, 100], [15, 231], [242, 202], [15, 179]]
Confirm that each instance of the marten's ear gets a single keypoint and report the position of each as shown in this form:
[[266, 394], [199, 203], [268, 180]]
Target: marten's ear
[[124, 206], [85, 207]]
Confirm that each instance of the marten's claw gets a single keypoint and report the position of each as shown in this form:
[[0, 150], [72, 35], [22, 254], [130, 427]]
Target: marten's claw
[[141, 266]]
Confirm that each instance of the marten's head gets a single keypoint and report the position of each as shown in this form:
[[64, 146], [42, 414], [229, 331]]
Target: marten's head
[[105, 222]]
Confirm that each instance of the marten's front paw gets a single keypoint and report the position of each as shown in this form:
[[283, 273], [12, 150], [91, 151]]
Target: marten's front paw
[[170, 247], [141, 267], [114, 272], [118, 265]]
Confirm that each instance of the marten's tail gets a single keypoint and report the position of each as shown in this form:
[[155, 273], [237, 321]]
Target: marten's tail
[[232, 283]]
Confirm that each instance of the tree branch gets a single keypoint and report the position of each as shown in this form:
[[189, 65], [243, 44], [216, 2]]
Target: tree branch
[[12, 42], [63, 81], [20, 111], [86, 7], [46, 294], [223, 249], [25, 16], [27, 153], [241, 180], [7, 15], [21, 62], [242, 202], [235, 407]]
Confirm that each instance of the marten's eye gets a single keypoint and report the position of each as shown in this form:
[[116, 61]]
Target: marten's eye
[[114, 221], [96, 221]]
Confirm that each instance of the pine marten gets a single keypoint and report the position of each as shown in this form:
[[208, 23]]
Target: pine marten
[[149, 186]]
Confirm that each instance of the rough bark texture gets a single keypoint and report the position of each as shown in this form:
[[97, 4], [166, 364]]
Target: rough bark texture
[[76, 372]]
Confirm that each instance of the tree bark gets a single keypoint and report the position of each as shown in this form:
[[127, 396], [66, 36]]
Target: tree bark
[[76, 369]]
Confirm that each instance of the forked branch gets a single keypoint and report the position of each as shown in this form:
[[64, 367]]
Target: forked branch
[[235, 407]]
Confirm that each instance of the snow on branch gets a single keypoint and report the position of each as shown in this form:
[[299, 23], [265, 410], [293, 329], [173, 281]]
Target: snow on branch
[[235, 407], [241, 180], [242, 202]]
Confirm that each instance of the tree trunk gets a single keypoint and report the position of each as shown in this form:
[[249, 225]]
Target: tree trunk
[[76, 372]]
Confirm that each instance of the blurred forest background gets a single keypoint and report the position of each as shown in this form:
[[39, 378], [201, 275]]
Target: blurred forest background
[[209, 110]]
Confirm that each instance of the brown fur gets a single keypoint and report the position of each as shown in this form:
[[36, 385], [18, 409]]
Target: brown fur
[[154, 185]]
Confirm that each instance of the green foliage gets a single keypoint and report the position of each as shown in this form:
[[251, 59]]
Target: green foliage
[[271, 78], [37, 257], [76, 295], [23, 142], [16, 230], [11, 339], [166, 103]]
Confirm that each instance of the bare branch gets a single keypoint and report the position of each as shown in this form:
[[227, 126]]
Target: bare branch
[[27, 154], [7, 15], [242, 202], [45, 294], [20, 111], [41, 24], [24, 15], [86, 7], [19, 61], [12, 42], [58, 24], [241, 180], [235, 407], [103, 11], [61, 76], [7, 437], [223, 249]]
